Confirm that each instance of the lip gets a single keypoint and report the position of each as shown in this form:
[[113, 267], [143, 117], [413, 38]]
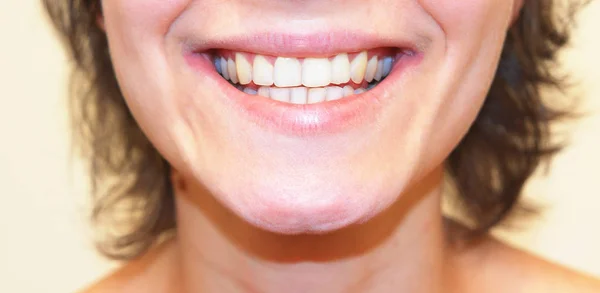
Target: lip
[[310, 119]]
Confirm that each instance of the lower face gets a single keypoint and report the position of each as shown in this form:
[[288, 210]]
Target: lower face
[[305, 116]]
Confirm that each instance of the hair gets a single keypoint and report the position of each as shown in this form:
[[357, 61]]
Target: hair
[[130, 180]]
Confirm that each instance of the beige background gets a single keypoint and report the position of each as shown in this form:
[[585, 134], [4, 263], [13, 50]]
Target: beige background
[[45, 244]]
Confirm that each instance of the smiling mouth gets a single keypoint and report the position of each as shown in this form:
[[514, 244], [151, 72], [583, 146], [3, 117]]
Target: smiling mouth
[[307, 80]]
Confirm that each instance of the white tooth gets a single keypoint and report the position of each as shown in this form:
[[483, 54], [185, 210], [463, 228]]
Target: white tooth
[[359, 91], [316, 95], [263, 71], [287, 72], [371, 69], [387, 66], [340, 69], [316, 72], [224, 70], [358, 67], [348, 91], [232, 70], [280, 94], [299, 95], [244, 69], [334, 93], [250, 91], [218, 65], [379, 72], [263, 91]]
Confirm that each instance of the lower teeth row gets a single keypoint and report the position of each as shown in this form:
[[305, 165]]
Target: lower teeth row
[[304, 95]]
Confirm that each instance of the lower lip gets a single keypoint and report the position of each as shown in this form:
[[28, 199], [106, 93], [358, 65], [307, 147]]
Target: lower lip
[[310, 119]]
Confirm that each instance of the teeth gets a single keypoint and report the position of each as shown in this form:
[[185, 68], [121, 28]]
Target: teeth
[[340, 69], [244, 69], [334, 93], [316, 95], [232, 70], [371, 69], [310, 81], [316, 72], [263, 91], [379, 71], [224, 69], [280, 94], [358, 67], [218, 65], [359, 91], [348, 91], [299, 95], [387, 65], [250, 91], [288, 72], [263, 71]]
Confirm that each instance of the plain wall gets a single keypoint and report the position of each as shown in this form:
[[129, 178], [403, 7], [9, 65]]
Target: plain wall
[[45, 243]]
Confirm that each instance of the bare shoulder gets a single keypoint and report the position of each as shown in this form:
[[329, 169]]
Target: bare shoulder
[[494, 266], [150, 273]]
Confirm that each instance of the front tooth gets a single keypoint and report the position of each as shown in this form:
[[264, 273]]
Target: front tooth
[[340, 69], [334, 93], [263, 91], [231, 68], [387, 66], [280, 94], [244, 69], [359, 91], [263, 71], [358, 67], [348, 91], [371, 69], [287, 72], [316, 95], [316, 72], [224, 69], [299, 95]]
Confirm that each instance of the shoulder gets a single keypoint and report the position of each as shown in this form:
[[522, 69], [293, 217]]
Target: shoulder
[[493, 266], [152, 272]]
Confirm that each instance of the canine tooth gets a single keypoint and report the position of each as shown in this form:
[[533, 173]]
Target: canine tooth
[[263, 91], [287, 72], [387, 66], [231, 68], [250, 91], [299, 95], [316, 95], [358, 66], [280, 94], [316, 72], [224, 70], [340, 69], [359, 91], [348, 91], [244, 69], [263, 71], [371, 69], [334, 93]]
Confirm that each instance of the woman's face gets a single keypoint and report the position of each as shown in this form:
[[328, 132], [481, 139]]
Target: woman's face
[[290, 142]]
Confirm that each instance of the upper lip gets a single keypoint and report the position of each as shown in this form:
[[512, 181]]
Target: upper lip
[[301, 45]]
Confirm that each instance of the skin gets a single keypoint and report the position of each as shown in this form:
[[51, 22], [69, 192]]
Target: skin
[[353, 211]]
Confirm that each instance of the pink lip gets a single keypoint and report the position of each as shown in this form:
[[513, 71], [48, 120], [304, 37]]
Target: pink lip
[[303, 120]]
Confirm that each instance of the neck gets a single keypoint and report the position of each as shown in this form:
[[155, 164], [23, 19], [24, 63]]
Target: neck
[[400, 250]]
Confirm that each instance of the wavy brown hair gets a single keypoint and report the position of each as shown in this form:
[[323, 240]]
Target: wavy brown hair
[[133, 204]]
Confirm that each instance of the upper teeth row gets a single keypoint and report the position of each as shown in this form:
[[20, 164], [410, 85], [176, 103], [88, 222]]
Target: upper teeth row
[[310, 72]]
